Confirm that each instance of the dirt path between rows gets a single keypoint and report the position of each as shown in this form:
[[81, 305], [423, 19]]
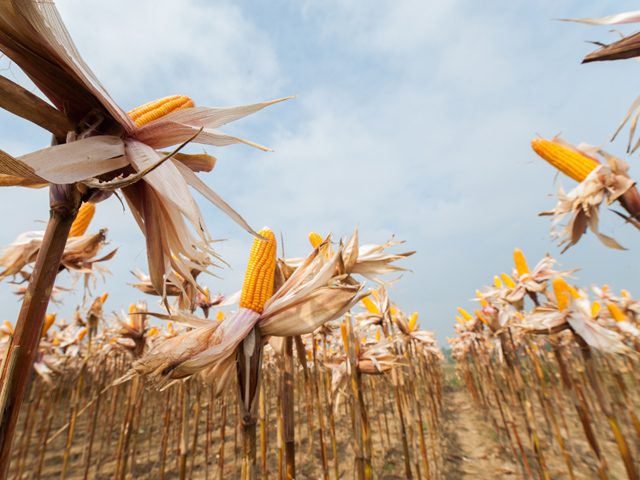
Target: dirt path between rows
[[471, 449]]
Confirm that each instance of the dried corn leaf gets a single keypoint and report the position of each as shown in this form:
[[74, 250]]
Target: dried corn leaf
[[77, 161]]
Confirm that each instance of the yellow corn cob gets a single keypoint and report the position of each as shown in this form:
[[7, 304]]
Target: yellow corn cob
[[464, 314], [315, 239], [483, 302], [170, 330], [152, 332], [508, 281], [258, 281], [481, 316], [497, 282], [82, 334], [81, 223], [412, 322], [625, 293], [567, 161], [377, 335], [8, 326], [459, 320], [370, 305], [48, 321], [309, 356], [595, 309], [562, 291], [132, 309], [615, 312], [521, 264], [103, 297], [159, 108], [220, 316], [343, 329]]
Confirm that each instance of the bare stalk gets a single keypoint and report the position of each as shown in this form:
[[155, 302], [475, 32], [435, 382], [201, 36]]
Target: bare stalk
[[64, 203]]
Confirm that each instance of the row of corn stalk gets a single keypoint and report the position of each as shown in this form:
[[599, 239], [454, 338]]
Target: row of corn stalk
[[562, 373], [364, 381]]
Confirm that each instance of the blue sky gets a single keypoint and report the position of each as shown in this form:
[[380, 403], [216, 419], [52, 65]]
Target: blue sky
[[412, 118]]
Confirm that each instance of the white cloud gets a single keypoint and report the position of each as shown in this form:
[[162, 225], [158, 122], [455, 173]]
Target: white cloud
[[146, 49]]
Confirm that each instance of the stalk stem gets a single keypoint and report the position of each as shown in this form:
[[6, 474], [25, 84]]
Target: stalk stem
[[64, 203]]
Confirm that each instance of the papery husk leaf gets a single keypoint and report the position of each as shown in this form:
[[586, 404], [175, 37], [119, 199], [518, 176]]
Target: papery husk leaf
[[167, 130], [628, 47], [220, 375], [108, 256], [311, 275], [172, 133], [12, 181], [617, 19], [224, 342], [23, 103], [79, 160], [154, 235], [194, 181], [199, 162], [309, 313], [163, 362], [17, 168], [277, 343], [121, 182], [183, 318], [606, 240], [210, 117], [33, 36], [634, 105], [350, 253], [166, 181]]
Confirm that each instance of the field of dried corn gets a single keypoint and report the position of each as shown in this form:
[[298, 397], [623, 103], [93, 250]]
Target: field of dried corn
[[313, 375]]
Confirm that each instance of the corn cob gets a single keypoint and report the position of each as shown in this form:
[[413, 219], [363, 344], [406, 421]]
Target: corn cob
[[345, 341], [132, 310], [81, 223], [595, 309], [258, 281], [562, 290], [481, 316], [315, 239], [570, 163], [521, 264], [508, 281], [615, 312], [464, 314], [48, 321], [370, 305], [459, 320], [497, 282], [220, 316], [152, 331], [483, 302], [82, 334], [412, 322], [159, 108]]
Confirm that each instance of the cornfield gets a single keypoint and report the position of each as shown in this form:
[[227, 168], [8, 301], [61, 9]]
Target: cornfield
[[306, 371]]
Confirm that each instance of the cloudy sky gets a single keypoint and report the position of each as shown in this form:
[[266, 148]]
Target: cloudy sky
[[412, 119]]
